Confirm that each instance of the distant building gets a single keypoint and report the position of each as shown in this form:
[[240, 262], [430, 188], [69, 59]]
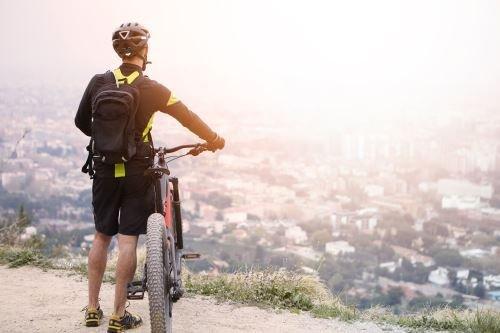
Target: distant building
[[490, 213], [413, 256], [463, 188], [300, 251], [374, 190], [369, 224], [89, 238], [342, 217], [461, 202], [468, 277], [14, 181], [296, 235], [235, 217], [492, 281], [474, 253], [339, 247], [221, 264], [494, 295], [240, 234], [402, 204], [28, 233], [439, 276], [390, 266], [309, 270]]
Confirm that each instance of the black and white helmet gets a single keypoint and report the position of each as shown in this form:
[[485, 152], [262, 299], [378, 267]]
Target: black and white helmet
[[129, 39]]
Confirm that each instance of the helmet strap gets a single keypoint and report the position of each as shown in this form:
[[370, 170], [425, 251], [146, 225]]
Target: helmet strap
[[144, 59]]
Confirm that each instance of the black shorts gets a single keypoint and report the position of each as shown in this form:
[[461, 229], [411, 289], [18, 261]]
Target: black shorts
[[122, 205]]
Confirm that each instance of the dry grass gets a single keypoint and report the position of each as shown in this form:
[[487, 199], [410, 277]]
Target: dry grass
[[278, 289], [469, 321]]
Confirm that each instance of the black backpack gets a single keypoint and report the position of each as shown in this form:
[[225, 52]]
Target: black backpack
[[114, 138]]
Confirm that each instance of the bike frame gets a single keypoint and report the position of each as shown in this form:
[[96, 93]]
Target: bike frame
[[166, 202]]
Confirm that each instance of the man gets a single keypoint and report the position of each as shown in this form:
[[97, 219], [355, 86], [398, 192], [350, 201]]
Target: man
[[122, 197]]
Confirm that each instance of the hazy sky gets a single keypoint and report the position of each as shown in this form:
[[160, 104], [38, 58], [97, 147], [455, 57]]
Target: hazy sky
[[305, 56]]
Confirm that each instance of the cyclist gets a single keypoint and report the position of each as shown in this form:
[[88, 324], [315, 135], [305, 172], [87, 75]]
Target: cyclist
[[122, 197]]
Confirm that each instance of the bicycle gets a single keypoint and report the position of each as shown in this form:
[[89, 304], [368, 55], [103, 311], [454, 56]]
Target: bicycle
[[164, 245]]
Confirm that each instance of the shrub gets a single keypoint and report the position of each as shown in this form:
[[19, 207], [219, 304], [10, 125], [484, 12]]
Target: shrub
[[17, 257]]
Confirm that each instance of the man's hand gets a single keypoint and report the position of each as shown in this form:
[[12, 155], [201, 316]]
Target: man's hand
[[217, 143]]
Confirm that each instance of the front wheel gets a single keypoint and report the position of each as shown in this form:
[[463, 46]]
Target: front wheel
[[159, 265]]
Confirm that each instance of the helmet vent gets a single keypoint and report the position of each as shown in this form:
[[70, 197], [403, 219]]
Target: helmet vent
[[124, 34]]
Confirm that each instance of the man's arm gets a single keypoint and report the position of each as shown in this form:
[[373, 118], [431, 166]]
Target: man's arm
[[83, 118], [174, 107]]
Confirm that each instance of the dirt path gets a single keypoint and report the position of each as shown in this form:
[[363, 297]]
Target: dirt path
[[51, 302]]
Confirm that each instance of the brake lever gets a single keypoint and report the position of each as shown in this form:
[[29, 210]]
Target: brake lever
[[194, 152], [198, 150]]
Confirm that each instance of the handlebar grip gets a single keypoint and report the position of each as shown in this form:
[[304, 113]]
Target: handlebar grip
[[198, 150]]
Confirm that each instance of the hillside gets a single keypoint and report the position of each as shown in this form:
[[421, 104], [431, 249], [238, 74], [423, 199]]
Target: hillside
[[50, 301]]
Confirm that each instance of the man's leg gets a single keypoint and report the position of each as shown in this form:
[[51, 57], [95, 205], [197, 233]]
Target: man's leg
[[125, 270], [98, 256]]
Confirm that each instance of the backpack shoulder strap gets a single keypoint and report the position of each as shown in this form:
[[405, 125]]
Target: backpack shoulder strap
[[122, 79], [88, 166]]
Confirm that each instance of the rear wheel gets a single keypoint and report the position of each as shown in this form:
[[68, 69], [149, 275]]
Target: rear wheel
[[159, 268]]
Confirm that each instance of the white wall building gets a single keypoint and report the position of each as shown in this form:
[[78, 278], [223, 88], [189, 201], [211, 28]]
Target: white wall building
[[296, 235], [14, 181], [461, 202], [374, 190], [492, 281], [339, 247], [474, 253], [390, 266], [439, 276], [235, 217], [463, 188]]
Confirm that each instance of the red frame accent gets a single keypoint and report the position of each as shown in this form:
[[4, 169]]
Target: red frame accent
[[167, 208]]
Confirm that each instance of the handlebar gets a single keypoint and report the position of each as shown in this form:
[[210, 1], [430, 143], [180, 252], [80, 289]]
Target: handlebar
[[196, 149]]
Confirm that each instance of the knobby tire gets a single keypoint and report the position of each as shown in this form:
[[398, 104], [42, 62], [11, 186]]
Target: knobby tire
[[159, 275]]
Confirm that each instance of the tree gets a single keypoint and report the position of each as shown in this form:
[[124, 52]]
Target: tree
[[219, 200], [320, 237], [253, 217], [197, 208], [457, 301], [422, 302], [311, 226], [260, 254], [23, 219], [448, 257], [479, 290], [385, 253], [391, 298], [394, 296], [433, 227], [484, 240], [408, 272], [337, 283]]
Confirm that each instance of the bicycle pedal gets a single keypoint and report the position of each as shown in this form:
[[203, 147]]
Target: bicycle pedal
[[177, 294], [191, 256], [135, 290]]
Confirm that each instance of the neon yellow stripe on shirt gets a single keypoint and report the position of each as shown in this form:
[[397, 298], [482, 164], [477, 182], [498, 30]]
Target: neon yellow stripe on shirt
[[172, 100]]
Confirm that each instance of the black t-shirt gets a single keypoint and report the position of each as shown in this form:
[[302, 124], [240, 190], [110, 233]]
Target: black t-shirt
[[153, 97]]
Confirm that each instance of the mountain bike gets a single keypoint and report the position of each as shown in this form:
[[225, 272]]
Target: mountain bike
[[164, 242]]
